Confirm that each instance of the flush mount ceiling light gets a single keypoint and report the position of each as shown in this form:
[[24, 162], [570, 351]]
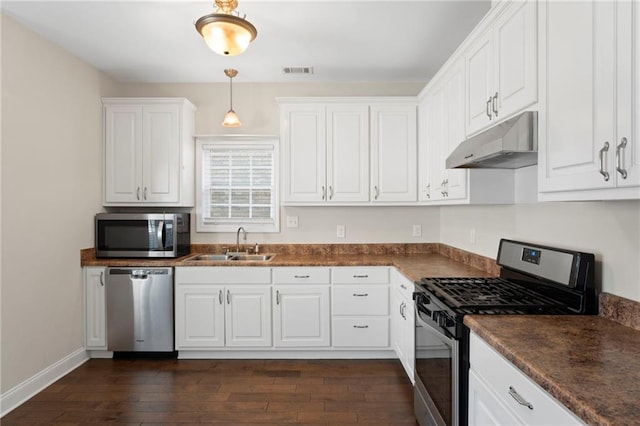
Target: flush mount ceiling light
[[224, 31], [231, 118]]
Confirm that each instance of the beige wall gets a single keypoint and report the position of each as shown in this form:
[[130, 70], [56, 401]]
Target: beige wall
[[610, 229], [51, 188]]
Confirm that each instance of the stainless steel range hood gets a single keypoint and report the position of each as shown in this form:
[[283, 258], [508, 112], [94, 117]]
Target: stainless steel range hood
[[509, 145]]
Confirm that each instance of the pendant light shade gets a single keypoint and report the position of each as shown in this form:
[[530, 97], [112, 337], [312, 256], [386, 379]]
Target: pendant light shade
[[231, 118], [225, 33]]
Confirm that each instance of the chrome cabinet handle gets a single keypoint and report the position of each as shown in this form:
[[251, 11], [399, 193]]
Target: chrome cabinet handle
[[145, 193], [220, 297], [228, 297], [331, 192], [488, 108], [519, 399], [138, 193], [101, 279], [603, 172], [324, 193], [428, 191], [301, 276], [361, 276], [360, 326], [377, 192], [277, 297], [494, 104], [620, 150], [360, 294], [403, 286]]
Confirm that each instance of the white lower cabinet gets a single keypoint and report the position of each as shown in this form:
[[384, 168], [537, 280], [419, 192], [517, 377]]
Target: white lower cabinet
[[301, 316], [499, 393], [222, 307], [360, 307], [403, 322], [95, 316]]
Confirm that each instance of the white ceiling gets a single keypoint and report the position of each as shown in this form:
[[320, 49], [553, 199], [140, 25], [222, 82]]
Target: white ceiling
[[344, 41]]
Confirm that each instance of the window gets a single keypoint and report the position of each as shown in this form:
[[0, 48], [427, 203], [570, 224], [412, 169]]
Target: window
[[237, 184]]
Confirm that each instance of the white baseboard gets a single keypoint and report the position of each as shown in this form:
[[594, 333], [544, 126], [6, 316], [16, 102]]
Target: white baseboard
[[17, 395]]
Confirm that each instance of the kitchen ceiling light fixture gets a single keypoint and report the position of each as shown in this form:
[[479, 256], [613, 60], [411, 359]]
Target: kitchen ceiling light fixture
[[224, 31], [231, 118]]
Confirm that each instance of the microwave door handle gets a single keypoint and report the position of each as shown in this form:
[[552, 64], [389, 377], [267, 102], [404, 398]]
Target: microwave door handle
[[159, 234]]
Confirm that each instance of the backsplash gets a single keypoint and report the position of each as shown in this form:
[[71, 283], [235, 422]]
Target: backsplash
[[621, 310]]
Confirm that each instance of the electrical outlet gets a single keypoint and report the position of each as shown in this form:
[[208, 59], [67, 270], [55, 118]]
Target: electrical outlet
[[292, 221], [341, 231], [417, 231], [472, 236]]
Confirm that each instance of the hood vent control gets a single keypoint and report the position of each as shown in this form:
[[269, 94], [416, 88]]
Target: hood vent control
[[298, 70]]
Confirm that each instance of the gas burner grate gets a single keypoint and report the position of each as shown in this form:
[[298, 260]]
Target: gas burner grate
[[486, 293]]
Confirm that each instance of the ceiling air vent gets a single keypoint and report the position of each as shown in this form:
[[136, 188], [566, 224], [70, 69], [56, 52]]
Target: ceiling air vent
[[298, 70]]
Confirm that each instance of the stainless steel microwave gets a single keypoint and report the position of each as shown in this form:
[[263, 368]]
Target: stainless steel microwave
[[142, 234]]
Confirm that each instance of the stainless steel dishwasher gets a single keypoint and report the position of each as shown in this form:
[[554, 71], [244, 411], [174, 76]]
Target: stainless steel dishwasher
[[139, 309]]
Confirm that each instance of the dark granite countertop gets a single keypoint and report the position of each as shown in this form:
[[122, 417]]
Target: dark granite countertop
[[413, 260], [591, 364]]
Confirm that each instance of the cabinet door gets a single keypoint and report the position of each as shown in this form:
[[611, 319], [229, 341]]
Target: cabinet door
[[161, 166], [248, 316], [393, 153], [199, 321], [479, 65], [456, 179], [304, 139], [397, 326], [577, 114], [301, 316], [95, 325], [123, 154], [347, 153], [628, 108], [516, 73]]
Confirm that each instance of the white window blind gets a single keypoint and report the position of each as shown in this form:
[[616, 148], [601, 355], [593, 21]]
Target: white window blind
[[238, 187]]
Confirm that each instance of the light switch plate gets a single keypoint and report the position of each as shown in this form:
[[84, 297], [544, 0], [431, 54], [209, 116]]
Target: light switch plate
[[341, 231], [417, 231]]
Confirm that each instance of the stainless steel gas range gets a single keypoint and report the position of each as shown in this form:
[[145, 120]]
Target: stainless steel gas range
[[534, 279]]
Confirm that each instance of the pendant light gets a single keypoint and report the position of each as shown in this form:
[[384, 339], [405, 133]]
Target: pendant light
[[226, 33], [231, 118]]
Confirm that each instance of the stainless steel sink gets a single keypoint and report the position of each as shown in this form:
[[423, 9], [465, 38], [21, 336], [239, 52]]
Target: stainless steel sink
[[210, 257], [232, 257], [253, 257]]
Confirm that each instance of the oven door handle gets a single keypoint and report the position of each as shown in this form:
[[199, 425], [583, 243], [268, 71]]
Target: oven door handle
[[439, 331]]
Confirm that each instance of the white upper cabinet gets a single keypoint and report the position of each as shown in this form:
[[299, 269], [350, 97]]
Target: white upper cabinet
[[393, 153], [587, 148], [347, 153], [501, 67], [348, 150], [148, 152], [303, 128]]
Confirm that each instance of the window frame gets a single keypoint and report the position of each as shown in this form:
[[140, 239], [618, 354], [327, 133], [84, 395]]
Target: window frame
[[237, 141]]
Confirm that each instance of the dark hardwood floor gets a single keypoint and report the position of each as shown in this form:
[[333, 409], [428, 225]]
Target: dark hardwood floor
[[224, 392]]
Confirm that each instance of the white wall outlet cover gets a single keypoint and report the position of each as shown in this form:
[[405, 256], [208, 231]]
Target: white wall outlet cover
[[292, 221], [417, 231], [341, 231]]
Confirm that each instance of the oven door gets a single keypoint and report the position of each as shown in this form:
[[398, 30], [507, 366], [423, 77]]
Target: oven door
[[436, 374]]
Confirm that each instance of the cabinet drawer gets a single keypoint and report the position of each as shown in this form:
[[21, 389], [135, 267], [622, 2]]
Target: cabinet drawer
[[360, 332], [500, 375], [222, 275], [360, 300], [365, 275], [317, 275], [403, 285]]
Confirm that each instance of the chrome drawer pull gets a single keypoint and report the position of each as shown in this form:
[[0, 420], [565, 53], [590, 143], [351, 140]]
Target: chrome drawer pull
[[360, 326], [604, 173], [220, 297], [403, 286], [360, 294], [620, 149], [301, 276], [519, 399], [361, 276]]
